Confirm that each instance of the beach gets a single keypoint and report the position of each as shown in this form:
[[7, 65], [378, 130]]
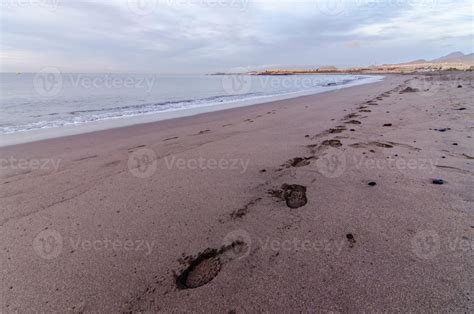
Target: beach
[[358, 199]]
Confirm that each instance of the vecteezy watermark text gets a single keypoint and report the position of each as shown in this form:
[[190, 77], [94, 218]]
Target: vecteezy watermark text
[[334, 163], [46, 4], [29, 164], [49, 244], [306, 245], [147, 7], [207, 163], [49, 82], [424, 164], [112, 81], [114, 245]]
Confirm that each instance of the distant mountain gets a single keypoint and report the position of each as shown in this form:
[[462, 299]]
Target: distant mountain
[[449, 57], [419, 61], [453, 57]]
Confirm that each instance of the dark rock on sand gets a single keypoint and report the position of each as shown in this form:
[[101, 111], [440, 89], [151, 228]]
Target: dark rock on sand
[[372, 183], [438, 181], [387, 124], [351, 239]]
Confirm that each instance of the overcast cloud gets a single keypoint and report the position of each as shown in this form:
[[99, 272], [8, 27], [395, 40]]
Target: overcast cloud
[[199, 36]]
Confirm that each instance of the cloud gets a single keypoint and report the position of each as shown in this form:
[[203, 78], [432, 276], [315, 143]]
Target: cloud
[[189, 36]]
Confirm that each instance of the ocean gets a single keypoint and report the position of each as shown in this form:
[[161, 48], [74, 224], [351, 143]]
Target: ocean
[[54, 101]]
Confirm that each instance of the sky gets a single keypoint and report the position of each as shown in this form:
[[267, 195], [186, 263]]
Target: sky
[[203, 36]]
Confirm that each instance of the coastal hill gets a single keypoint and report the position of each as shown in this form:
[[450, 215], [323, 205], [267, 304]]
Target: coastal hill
[[453, 61]]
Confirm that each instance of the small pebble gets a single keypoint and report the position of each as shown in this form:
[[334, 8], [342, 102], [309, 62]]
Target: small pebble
[[438, 181], [387, 124], [372, 183], [455, 144]]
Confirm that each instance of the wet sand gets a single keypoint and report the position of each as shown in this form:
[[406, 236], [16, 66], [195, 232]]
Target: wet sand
[[353, 200]]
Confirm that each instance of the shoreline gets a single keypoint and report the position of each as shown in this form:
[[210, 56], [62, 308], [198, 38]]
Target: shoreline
[[131, 209], [10, 139]]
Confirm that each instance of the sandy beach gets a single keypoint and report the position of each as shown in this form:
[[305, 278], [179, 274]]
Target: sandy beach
[[356, 200]]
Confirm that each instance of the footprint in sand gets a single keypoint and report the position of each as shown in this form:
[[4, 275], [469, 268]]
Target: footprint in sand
[[207, 265], [297, 162], [350, 116], [332, 143], [85, 158], [293, 194], [353, 122], [365, 145], [170, 138], [241, 212], [131, 149], [409, 90], [336, 130]]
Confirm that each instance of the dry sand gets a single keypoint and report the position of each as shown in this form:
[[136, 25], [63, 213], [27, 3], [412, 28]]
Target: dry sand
[[190, 214]]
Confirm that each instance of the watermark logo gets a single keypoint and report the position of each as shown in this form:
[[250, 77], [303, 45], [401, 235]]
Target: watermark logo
[[238, 82], [332, 164], [48, 244], [427, 85], [426, 244], [48, 82], [142, 7], [430, 85], [142, 163], [238, 236], [331, 7]]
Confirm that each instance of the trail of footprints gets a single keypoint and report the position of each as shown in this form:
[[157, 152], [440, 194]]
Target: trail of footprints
[[202, 268], [205, 266]]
